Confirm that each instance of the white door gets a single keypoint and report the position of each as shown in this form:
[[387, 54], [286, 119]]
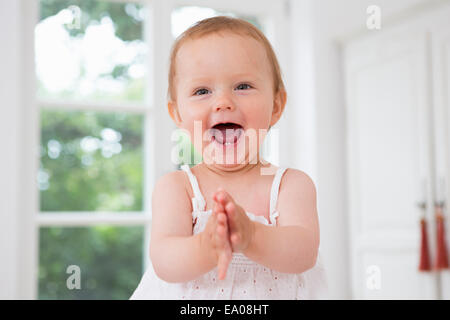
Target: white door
[[389, 160], [440, 35]]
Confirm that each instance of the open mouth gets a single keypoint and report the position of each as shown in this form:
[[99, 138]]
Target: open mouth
[[226, 134]]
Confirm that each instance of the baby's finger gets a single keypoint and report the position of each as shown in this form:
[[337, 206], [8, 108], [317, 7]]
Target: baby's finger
[[222, 218], [223, 237], [222, 265], [218, 191], [223, 197], [235, 238], [225, 249], [218, 207], [230, 208]]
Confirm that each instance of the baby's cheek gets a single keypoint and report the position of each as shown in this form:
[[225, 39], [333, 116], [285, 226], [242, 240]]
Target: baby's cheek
[[198, 143], [197, 133]]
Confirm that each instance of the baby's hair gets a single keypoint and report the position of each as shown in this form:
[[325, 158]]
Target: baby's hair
[[224, 24]]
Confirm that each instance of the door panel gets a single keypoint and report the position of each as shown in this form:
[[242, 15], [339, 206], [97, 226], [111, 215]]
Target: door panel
[[395, 274], [389, 157]]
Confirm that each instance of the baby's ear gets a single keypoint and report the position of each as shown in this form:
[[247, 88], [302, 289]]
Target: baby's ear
[[279, 102], [173, 112]]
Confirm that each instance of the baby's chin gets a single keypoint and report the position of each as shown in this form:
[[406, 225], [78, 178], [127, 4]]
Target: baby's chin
[[230, 167], [231, 156]]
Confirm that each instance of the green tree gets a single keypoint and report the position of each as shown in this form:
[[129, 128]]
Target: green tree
[[127, 19], [110, 258], [75, 179]]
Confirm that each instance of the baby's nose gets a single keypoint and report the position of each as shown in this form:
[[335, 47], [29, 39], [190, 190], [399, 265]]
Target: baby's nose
[[221, 107], [223, 103]]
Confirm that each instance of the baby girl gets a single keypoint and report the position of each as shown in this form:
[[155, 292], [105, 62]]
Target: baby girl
[[233, 226]]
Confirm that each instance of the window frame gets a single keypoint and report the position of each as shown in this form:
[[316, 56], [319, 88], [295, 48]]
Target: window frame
[[158, 37]]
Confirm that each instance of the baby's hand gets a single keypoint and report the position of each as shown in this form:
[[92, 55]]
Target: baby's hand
[[216, 231], [241, 227]]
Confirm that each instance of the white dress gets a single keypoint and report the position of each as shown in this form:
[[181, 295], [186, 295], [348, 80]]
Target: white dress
[[245, 279]]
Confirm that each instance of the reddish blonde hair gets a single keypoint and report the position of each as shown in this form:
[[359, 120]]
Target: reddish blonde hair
[[224, 24]]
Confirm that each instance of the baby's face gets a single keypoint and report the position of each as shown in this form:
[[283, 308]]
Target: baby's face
[[225, 78]]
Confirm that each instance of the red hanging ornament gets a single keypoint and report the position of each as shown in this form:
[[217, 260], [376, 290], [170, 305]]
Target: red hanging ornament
[[424, 264], [441, 253]]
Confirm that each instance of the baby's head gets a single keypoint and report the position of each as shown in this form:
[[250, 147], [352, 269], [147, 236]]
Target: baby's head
[[225, 77]]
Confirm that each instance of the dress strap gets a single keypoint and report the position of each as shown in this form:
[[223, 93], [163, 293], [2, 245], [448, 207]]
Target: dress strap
[[274, 193], [198, 202]]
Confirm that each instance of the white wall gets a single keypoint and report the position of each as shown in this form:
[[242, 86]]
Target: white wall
[[9, 159], [317, 28], [20, 136]]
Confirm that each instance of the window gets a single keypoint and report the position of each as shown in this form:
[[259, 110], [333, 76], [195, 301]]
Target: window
[[91, 60], [109, 258], [101, 81]]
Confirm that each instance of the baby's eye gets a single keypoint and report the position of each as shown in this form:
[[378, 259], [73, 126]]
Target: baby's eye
[[200, 92], [243, 86]]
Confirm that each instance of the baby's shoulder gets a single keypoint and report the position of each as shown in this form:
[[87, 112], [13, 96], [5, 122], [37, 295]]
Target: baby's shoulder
[[173, 182], [296, 179]]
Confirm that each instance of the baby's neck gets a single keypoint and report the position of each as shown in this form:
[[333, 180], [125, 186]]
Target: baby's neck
[[247, 169]]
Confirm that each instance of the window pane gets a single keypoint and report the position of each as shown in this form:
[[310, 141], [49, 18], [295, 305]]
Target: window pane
[[109, 261], [90, 50], [90, 161], [186, 16]]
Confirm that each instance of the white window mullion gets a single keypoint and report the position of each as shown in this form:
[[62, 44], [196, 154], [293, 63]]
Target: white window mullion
[[29, 206], [149, 167], [157, 28], [72, 218], [127, 107]]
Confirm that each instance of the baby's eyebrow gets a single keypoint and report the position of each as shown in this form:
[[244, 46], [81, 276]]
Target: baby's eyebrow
[[246, 75]]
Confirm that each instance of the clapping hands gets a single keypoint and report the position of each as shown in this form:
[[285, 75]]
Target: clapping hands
[[229, 229]]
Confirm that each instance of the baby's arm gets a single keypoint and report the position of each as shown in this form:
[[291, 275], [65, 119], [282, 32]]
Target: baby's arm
[[291, 246], [176, 254]]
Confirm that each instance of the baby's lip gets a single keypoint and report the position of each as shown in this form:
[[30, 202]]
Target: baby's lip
[[227, 122]]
